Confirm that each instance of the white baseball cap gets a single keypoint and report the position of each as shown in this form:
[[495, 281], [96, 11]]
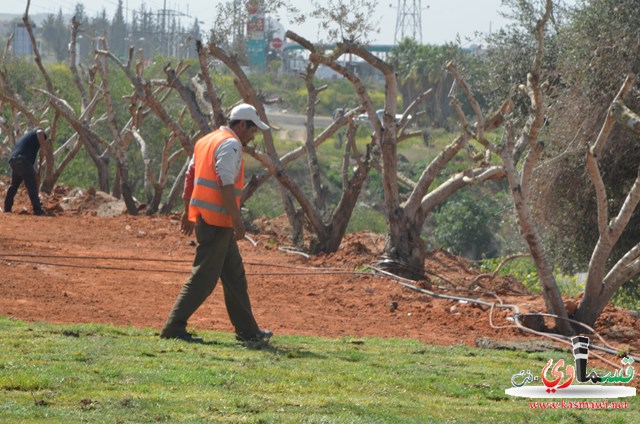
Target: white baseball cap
[[246, 112]]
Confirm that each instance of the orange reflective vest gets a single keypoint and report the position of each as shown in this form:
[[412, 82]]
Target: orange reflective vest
[[206, 199]]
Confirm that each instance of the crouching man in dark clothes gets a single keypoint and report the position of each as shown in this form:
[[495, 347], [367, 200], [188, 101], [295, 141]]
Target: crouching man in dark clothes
[[22, 161]]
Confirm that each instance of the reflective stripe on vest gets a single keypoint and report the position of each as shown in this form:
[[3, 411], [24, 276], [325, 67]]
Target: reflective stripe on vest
[[206, 199], [214, 185]]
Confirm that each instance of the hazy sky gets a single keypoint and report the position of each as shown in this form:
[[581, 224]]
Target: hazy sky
[[442, 20]]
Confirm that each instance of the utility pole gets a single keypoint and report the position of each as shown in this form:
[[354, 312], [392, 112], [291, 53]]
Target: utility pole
[[238, 23], [409, 21], [164, 26], [166, 41]]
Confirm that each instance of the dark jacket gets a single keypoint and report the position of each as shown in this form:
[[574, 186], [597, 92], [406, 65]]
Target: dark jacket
[[27, 147]]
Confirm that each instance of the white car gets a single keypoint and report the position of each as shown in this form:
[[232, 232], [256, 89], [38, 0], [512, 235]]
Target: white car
[[363, 118]]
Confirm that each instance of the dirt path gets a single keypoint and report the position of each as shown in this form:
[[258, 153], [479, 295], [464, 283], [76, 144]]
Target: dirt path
[[125, 270]]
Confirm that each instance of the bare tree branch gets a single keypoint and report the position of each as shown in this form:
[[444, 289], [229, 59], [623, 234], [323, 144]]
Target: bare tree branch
[[36, 51], [218, 114]]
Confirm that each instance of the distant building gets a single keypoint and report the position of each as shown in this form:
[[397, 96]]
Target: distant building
[[324, 72], [12, 24], [21, 40], [295, 57], [475, 50]]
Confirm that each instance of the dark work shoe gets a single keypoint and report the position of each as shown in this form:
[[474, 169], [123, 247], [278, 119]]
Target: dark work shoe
[[265, 334], [187, 337], [260, 336]]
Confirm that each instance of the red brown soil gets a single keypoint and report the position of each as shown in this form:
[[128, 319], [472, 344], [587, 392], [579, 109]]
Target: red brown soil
[[126, 270]]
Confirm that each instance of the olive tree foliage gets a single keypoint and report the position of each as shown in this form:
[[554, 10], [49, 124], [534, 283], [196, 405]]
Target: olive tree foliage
[[603, 280], [598, 50], [589, 216], [520, 151], [538, 145], [511, 49], [351, 20]]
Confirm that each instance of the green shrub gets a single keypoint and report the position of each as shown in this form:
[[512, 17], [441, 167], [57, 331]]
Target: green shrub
[[365, 218], [523, 270], [628, 296], [466, 224]]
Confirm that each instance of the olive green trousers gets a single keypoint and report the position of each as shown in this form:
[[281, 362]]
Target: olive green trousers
[[217, 257]]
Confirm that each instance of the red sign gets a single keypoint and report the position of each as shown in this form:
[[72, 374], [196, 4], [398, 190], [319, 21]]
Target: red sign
[[255, 25], [276, 43]]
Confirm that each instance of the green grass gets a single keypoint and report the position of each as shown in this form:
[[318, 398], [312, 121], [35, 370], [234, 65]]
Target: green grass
[[102, 374]]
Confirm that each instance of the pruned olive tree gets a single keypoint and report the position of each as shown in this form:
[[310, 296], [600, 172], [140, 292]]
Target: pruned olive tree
[[603, 280], [326, 223], [527, 148], [148, 97], [349, 23], [98, 127], [28, 114], [521, 152], [405, 249]]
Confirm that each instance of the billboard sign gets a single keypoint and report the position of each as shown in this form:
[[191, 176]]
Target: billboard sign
[[255, 36]]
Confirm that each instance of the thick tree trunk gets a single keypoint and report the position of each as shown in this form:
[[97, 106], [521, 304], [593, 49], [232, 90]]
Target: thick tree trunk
[[597, 294], [102, 166], [404, 249], [589, 310], [600, 288], [329, 237], [127, 194], [519, 191], [154, 203], [296, 218]]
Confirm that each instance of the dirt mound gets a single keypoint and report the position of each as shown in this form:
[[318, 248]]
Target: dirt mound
[[71, 200], [92, 202], [123, 270]]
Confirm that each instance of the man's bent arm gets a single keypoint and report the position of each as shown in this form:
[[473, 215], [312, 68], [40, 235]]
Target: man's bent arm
[[186, 226], [229, 201]]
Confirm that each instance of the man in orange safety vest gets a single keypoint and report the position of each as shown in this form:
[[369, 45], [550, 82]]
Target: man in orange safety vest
[[213, 187]]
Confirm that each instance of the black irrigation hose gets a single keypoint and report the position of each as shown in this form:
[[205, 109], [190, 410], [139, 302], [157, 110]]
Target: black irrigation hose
[[516, 316], [111, 258], [100, 267], [317, 271], [138, 259]]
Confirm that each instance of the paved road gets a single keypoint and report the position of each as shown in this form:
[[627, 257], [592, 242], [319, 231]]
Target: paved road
[[295, 122]]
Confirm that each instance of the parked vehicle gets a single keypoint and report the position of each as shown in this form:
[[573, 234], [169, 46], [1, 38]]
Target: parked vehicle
[[364, 118], [338, 112]]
